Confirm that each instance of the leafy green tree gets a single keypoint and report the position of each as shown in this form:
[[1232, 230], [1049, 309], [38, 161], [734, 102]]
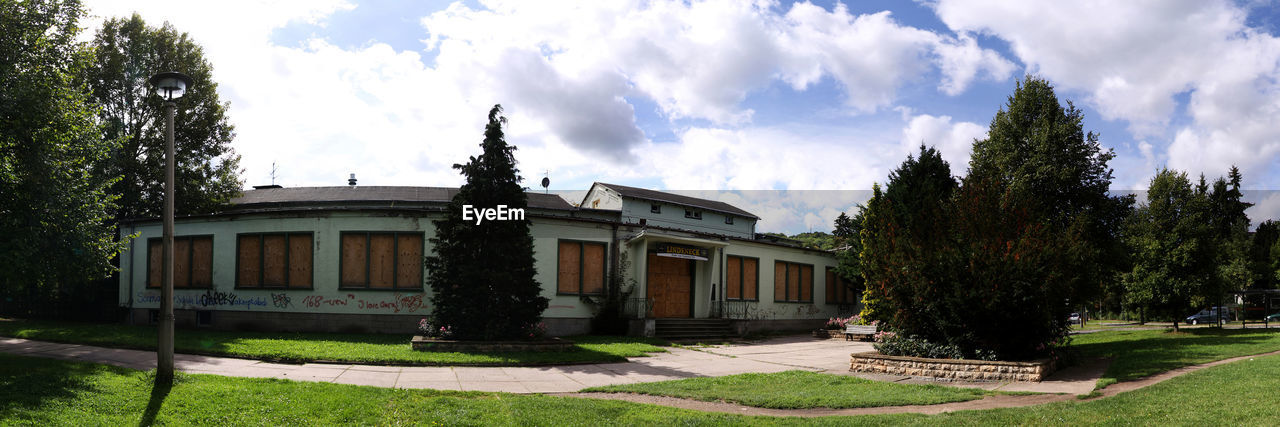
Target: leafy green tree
[[1172, 244], [128, 52], [483, 274], [54, 209], [1039, 150]]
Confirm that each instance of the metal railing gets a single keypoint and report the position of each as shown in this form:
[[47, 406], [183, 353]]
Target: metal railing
[[635, 308]]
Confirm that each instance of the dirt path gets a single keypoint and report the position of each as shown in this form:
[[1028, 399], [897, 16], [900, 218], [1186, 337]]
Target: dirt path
[[988, 402]]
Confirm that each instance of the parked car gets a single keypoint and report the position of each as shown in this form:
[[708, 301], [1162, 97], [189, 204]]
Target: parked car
[[1209, 315], [1074, 318], [1274, 318]]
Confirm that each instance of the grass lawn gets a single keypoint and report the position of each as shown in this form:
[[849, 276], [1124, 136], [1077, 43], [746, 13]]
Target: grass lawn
[[54, 392], [800, 389], [1137, 354], [306, 347]]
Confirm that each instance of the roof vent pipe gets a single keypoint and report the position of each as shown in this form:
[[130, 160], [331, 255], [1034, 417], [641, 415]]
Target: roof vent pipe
[[352, 181]]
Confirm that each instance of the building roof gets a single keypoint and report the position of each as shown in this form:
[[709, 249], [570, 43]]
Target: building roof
[[375, 194], [659, 196]]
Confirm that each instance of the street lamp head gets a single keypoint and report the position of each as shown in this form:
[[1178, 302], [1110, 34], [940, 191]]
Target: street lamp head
[[170, 85]]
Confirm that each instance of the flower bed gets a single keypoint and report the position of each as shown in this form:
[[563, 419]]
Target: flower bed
[[952, 369], [421, 343]]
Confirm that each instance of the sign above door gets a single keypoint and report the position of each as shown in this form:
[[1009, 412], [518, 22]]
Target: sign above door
[[682, 251]]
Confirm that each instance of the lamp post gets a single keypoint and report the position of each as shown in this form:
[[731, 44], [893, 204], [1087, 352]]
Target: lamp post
[[170, 86]]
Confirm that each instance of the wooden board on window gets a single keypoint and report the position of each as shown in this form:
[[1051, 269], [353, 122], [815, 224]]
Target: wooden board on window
[[409, 261], [750, 283], [202, 262], [248, 267], [273, 260], [382, 260], [568, 269], [733, 278], [806, 283], [592, 268], [155, 263], [300, 254], [181, 263], [779, 281], [353, 259]]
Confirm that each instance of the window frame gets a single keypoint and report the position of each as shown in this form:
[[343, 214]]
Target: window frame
[[742, 275], [395, 266], [262, 260], [693, 214], [787, 286], [655, 208], [728, 219], [582, 258], [190, 262]]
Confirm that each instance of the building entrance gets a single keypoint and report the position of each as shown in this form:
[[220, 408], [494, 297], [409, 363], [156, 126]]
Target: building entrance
[[670, 286]]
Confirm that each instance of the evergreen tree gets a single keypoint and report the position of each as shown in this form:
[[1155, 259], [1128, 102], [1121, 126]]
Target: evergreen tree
[[127, 53], [1231, 234], [54, 209], [483, 274], [847, 242], [1172, 243], [1262, 262], [903, 235]]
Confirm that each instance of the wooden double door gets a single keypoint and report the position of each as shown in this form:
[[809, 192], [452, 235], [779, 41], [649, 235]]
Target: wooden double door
[[670, 286]]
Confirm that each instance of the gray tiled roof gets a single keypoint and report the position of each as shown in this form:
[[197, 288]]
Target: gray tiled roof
[[358, 194], [659, 196]]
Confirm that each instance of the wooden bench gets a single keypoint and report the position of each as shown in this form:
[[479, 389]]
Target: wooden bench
[[862, 331]]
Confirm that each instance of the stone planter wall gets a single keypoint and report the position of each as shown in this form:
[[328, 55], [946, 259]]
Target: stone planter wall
[[421, 343], [829, 333], [952, 369]]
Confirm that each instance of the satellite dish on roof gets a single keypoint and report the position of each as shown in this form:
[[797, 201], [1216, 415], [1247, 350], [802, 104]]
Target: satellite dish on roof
[[546, 181]]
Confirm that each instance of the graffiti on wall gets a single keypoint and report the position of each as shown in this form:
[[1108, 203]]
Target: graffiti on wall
[[208, 299], [393, 303], [396, 303], [281, 300]]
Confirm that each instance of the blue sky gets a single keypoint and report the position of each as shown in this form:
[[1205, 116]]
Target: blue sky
[[728, 97]]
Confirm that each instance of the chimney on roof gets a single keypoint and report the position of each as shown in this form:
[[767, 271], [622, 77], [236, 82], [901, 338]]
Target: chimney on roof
[[352, 181]]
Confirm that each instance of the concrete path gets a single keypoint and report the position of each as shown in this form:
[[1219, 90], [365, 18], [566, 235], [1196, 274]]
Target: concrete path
[[774, 355]]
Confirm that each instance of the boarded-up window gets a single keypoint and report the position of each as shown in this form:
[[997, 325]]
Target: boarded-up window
[[192, 262], [274, 260], [741, 274], [792, 282], [381, 260], [580, 268], [838, 289]]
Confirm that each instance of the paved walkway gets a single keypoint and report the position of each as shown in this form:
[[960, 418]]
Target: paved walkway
[[773, 355]]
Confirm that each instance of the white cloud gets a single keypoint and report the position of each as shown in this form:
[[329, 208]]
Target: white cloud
[[1134, 58], [954, 140]]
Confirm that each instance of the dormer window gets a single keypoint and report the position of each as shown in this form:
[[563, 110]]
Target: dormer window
[[655, 208], [692, 214], [728, 220]]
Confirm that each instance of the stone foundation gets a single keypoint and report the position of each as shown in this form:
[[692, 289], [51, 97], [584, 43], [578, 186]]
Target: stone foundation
[[421, 343], [952, 369]]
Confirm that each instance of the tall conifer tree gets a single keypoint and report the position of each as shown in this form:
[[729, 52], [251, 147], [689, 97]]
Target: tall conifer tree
[[483, 274]]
